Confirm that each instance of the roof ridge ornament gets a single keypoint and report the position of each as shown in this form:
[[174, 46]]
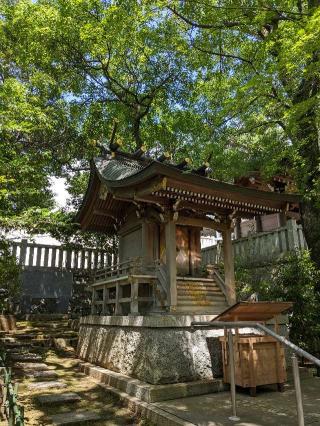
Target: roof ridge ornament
[[140, 152], [203, 170], [184, 164], [164, 157]]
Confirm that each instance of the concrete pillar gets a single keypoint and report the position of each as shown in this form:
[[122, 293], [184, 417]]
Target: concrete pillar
[[229, 266], [170, 240]]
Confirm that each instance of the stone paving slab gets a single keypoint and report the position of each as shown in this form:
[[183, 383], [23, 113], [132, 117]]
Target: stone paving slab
[[30, 357], [42, 374], [33, 366], [14, 343], [18, 350], [269, 408], [59, 398], [47, 385], [7, 339], [75, 417]]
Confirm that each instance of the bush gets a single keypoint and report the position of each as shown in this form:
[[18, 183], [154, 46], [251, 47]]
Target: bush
[[295, 279], [9, 278]]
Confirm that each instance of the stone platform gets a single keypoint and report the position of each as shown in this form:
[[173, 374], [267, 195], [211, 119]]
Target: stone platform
[[156, 349]]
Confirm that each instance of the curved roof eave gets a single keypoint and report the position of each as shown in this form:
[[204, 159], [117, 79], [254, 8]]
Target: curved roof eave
[[156, 168], [82, 211]]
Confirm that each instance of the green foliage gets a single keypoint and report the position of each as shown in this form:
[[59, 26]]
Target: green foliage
[[236, 80], [9, 278], [294, 279]]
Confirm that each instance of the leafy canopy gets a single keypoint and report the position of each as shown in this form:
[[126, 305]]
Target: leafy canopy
[[237, 81]]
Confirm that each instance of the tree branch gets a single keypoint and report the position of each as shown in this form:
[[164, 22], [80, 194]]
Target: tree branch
[[225, 24]]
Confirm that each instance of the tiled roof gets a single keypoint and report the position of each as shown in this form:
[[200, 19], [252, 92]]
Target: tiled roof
[[115, 169]]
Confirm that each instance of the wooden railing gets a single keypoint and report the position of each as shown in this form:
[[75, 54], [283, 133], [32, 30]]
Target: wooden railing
[[261, 247], [116, 270], [31, 255], [116, 289]]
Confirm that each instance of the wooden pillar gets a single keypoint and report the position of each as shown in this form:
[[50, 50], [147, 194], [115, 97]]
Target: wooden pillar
[[104, 304], [258, 224], [134, 305], [238, 231], [117, 307], [282, 219], [93, 298], [229, 266], [146, 241], [170, 237]]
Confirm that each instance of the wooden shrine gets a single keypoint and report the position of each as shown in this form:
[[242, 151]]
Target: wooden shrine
[[157, 209]]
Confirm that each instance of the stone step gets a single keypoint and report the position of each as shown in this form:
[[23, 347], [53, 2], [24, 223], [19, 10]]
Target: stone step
[[200, 293], [25, 335], [42, 374], [148, 392], [193, 302], [197, 310], [31, 366], [58, 398], [196, 300], [29, 357], [18, 350], [8, 339], [196, 284], [207, 289], [17, 345], [199, 290], [47, 385], [75, 417]]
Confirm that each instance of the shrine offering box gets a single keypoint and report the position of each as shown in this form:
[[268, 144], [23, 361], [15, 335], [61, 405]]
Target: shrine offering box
[[259, 359]]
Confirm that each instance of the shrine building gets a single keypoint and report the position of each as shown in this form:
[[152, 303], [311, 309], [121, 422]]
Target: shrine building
[[157, 210]]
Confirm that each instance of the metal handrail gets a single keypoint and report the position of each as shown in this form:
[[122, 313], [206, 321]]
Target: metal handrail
[[281, 339]]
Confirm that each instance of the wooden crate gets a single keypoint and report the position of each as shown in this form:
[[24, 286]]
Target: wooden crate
[[259, 360]]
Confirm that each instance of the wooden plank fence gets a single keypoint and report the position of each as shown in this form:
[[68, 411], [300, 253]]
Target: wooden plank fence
[[261, 247], [30, 255]]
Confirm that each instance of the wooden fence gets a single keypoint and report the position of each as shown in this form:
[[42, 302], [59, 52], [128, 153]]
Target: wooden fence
[[37, 256], [261, 247]]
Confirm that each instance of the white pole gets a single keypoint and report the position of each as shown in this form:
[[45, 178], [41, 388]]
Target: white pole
[[296, 379], [234, 417]]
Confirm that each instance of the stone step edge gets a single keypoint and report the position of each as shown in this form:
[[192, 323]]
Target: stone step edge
[[147, 392], [148, 411]]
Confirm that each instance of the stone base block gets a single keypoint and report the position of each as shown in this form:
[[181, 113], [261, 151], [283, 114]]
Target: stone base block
[[152, 393], [154, 349]]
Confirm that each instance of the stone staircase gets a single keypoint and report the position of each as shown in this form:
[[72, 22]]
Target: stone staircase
[[200, 296]]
